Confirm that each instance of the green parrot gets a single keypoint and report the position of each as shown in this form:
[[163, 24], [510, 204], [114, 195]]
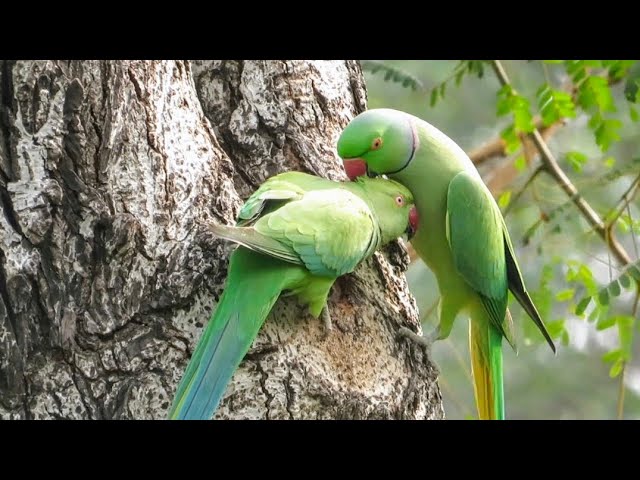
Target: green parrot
[[297, 234], [463, 238]]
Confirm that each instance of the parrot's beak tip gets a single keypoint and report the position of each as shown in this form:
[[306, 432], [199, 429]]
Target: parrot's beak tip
[[354, 167]]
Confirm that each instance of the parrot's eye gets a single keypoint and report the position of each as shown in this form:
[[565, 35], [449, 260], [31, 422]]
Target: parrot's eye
[[376, 144], [400, 200]]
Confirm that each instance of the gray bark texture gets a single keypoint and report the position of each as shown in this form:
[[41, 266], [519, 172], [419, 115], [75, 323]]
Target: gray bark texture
[[108, 171]]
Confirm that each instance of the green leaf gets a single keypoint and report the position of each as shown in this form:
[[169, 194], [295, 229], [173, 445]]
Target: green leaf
[[511, 139], [634, 271], [543, 296], [554, 105], [605, 322], [576, 160], [520, 163], [632, 85], [614, 288], [434, 97], [522, 117], [623, 223], [594, 314], [585, 275], [609, 162], [555, 328], [572, 273], [392, 73], [582, 306], [607, 132], [633, 113], [625, 281], [631, 90], [618, 68], [575, 68], [595, 121], [503, 105], [565, 295], [504, 199], [443, 88], [612, 355], [625, 333], [595, 92], [565, 338], [603, 297], [616, 368], [477, 67], [510, 102]]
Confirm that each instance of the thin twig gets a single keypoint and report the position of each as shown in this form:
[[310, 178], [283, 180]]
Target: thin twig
[[625, 200], [517, 196], [553, 168], [621, 390], [633, 237]]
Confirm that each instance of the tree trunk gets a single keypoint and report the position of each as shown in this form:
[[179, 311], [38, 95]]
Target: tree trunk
[[107, 172]]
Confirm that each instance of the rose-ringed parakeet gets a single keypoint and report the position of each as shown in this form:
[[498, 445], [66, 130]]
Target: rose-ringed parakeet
[[463, 238], [297, 234]]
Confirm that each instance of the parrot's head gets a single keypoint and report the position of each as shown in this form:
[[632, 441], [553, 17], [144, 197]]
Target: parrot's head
[[378, 141], [393, 205]]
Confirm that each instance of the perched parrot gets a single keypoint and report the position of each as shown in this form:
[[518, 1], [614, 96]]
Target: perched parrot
[[463, 238], [297, 234]]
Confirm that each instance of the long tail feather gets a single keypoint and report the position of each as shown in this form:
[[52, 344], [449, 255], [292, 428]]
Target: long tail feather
[[252, 287], [485, 346]]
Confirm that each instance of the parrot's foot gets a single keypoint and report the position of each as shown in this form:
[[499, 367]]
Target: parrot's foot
[[326, 320], [425, 342]]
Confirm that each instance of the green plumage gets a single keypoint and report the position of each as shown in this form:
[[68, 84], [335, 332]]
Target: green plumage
[[297, 233], [472, 218], [462, 238]]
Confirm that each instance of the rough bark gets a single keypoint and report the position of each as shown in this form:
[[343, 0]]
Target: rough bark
[[107, 172]]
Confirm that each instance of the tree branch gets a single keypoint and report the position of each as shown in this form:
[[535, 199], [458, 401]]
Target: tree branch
[[553, 168], [496, 147], [519, 193]]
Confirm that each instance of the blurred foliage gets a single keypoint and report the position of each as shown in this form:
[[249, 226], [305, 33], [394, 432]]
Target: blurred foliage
[[586, 298]]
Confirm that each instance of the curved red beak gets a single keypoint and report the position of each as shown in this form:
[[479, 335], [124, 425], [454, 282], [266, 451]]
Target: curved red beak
[[354, 167], [413, 222]]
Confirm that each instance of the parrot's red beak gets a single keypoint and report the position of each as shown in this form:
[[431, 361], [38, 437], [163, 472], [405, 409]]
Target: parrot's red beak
[[413, 222], [354, 167]]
